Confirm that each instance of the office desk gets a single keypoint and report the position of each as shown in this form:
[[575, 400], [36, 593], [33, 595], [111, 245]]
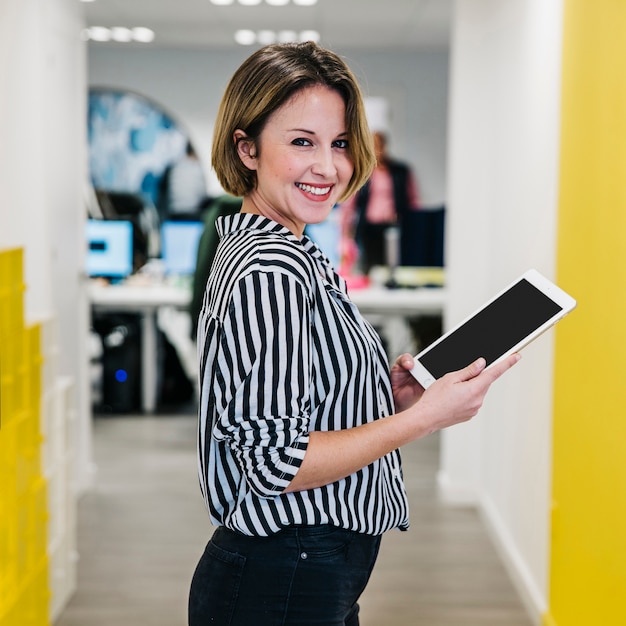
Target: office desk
[[389, 309], [145, 300], [400, 302], [393, 305]]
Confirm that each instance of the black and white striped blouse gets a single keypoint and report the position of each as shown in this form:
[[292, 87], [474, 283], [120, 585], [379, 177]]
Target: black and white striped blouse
[[283, 351]]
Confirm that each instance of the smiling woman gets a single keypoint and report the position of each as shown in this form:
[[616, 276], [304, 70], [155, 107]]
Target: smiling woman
[[301, 417]]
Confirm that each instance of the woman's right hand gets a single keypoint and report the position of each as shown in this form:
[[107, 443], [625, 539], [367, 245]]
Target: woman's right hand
[[458, 396]]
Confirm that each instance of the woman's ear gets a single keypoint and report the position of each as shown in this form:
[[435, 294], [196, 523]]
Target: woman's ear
[[246, 149]]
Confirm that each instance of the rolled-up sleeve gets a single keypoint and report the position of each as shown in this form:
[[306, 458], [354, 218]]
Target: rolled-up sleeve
[[266, 349]]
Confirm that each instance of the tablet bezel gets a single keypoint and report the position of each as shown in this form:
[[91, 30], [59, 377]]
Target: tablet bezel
[[546, 286]]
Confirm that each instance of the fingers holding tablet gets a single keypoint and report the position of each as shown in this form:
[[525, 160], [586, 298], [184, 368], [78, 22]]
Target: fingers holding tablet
[[491, 374], [495, 371], [458, 396], [504, 325]]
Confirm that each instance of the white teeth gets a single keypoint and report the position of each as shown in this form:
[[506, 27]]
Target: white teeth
[[316, 191]]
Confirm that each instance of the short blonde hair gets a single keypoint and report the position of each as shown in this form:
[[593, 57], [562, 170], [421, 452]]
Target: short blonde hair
[[262, 84]]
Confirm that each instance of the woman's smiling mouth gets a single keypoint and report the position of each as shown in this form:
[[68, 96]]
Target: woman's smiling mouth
[[316, 191]]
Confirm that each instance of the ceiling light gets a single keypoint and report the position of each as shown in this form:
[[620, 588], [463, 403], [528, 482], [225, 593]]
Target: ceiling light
[[305, 3], [277, 3], [142, 34], [250, 3], [266, 37], [310, 35], [121, 34], [245, 37], [99, 33], [287, 36], [87, 0], [222, 3]]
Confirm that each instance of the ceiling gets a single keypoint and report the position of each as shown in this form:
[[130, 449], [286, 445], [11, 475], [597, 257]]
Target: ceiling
[[372, 24]]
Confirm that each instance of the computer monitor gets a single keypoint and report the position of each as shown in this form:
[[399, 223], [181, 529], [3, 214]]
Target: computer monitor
[[327, 237], [179, 246], [422, 238], [109, 248]]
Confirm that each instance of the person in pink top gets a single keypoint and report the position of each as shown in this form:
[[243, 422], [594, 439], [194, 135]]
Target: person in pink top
[[381, 203]]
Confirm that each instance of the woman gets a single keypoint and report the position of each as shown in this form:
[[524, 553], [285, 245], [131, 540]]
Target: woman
[[300, 419]]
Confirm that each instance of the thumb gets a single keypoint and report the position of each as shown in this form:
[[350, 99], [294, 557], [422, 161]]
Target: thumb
[[472, 370]]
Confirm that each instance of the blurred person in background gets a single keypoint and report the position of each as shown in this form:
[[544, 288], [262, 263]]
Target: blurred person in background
[[183, 188], [379, 205]]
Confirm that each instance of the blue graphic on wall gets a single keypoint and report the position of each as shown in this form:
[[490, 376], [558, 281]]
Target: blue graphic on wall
[[131, 142]]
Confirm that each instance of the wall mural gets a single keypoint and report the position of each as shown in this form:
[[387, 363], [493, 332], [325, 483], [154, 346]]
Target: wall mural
[[131, 142]]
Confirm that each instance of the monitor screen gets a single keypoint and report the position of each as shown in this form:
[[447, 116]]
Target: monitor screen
[[109, 248], [179, 246]]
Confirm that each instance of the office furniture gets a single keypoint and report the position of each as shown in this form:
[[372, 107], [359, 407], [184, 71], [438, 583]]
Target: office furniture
[[391, 309], [399, 302], [144, 300], [393, 305]]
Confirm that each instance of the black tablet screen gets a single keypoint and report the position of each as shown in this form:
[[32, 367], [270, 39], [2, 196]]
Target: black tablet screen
[[495, 329]]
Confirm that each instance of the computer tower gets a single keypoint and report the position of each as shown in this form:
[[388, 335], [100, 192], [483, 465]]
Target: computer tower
[[121, 363]]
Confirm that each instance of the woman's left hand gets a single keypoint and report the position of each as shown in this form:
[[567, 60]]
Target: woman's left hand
[[406, 390]]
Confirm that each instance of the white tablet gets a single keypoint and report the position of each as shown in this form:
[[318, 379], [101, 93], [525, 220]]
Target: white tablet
[[504, 325]]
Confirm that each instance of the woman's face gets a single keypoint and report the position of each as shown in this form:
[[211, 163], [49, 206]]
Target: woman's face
[[302, 160]]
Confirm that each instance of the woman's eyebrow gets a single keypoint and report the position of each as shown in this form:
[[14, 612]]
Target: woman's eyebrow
[[312, 132]]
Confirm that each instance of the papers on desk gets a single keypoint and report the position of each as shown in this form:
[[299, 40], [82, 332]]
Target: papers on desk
[[409, 277]]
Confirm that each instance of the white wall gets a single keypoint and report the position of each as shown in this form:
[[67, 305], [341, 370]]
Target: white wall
[[42, 173], [503, 183], [189, 85]]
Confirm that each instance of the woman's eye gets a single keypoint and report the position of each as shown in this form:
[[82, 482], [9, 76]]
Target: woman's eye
[[301, 141], [340, 143]]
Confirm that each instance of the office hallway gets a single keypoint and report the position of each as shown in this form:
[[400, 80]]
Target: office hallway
[[143, 526]]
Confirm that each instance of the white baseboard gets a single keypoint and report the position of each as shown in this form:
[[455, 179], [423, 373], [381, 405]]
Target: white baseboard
[[533, 598], [460, 494]]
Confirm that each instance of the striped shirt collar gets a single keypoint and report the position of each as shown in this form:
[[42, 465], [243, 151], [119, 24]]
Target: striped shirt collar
[[228, 224]]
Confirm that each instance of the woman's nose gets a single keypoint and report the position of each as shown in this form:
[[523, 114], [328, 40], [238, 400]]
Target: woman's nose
[[324, 163]]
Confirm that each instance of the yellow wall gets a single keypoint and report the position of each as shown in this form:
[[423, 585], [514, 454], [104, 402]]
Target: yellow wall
[[588, 556], [24, 588]]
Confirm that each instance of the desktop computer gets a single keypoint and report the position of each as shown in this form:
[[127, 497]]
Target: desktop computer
[[109, 249], [110, 255], [121, 363], [179, 247]]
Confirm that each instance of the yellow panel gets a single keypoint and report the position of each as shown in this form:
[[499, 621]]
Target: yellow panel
[[24, 587], [588, 551], [11, 289]]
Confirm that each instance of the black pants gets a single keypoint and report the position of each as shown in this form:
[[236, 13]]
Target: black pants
[[302, 576]]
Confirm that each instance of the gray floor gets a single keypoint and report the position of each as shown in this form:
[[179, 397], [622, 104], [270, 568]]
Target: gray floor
[[142, 528]]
